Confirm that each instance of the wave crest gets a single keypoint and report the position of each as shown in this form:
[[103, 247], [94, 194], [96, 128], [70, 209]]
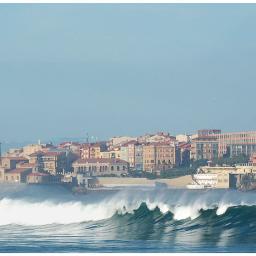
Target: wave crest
[[22, 212]]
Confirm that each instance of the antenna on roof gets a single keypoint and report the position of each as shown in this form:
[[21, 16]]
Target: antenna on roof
[[87, 137]]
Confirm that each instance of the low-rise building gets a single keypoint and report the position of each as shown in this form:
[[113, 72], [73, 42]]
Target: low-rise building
[[38, 178], [18, 175], [11, 162], [101, 166], [43, 178]]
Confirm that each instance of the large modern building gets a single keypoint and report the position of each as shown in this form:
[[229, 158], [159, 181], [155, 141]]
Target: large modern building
[[209, 144], [236, 143]]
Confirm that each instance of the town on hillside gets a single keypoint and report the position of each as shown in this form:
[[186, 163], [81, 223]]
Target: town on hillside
[[211, 158]]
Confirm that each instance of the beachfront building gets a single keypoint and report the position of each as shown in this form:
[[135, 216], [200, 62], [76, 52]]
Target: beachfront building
[[132, 152], [18, 175], [205, 145], [53, 162], [138, 157], [158, 157], [236, 143], [209, 144], [224, 176], [101, 166], [42, 178]]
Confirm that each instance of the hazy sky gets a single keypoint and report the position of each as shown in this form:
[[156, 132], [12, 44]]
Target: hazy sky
[[125, 69]]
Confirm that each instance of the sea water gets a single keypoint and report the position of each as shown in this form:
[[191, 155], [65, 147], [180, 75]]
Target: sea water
[[51, 219]]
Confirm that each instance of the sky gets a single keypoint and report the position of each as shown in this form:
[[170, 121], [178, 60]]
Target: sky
[[125, 69]]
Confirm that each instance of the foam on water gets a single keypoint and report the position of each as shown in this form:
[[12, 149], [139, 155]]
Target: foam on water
[[182, 205]]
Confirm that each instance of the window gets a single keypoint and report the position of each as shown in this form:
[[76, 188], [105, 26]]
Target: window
[[112, 168], [118, 168]]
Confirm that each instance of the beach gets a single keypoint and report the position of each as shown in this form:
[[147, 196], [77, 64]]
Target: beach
[[179, 182]]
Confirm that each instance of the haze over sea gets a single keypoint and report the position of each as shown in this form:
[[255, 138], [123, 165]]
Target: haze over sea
[[38, 218]]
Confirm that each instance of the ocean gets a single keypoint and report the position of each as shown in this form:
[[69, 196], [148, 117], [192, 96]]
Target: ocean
[[37, 218]]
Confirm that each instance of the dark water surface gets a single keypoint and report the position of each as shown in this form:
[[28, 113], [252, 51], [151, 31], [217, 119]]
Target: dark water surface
[[51, 219]]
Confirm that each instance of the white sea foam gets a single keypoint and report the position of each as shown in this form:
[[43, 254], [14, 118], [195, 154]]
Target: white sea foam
[[183, 205]]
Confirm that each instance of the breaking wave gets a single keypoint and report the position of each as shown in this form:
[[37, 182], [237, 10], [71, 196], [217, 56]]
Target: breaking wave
[[23, 211], [50, 219]]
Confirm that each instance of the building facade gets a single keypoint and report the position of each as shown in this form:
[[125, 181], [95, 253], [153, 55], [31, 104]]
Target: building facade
[[53, 162], [158, 157], [101, 166], [205, 145], [92, 150], [236, 143], [18, 175]]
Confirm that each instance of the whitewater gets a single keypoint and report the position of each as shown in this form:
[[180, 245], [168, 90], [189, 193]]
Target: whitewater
[[142, 219]]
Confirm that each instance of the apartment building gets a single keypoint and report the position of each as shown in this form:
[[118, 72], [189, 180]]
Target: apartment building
[[53, 162], [205, 145], [92, 150], [158, 157], [132, 152]]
